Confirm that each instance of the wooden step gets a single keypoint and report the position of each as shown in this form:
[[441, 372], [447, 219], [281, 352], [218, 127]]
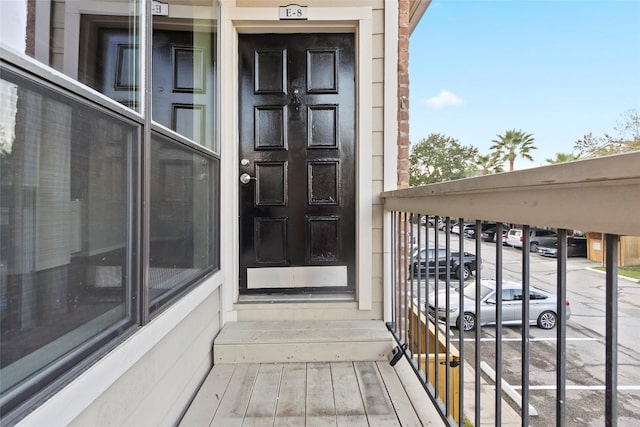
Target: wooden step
[[302, 341]]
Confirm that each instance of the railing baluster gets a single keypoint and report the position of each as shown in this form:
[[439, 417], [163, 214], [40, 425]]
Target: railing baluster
[[611, 363], [400, 267], [447, 328], [409, 307], [405, 281], [477, 328], [426, 304], [418, 303], [401, 262], [402, 275], [436, 338], [561, 328], [461, 329], [394, 268], [498, 356], [526, 277]]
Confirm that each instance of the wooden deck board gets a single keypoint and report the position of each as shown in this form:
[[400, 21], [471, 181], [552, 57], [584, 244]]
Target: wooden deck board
[[291, 405], [264, 396], [377, 404], [345, 390], [401, 402], [207, 401], [236, 399], [321, 409]]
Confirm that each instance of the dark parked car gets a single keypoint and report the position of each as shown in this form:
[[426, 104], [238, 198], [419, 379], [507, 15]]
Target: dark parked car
[[470, 231], [465, 271], [489, 235], [576, 247]]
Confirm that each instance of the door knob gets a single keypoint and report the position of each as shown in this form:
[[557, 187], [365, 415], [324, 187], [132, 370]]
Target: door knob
[[245, 178]]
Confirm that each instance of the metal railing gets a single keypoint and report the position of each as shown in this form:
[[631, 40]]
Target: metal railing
[[420, 321]]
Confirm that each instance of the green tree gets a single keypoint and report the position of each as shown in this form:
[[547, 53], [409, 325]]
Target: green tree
[[489, 164], [629, 127], [597, 146], [562, 158], [627, 139], [440, 158], [589, 145], [512, 144]]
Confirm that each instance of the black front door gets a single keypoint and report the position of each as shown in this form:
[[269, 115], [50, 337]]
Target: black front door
[[297, 162]]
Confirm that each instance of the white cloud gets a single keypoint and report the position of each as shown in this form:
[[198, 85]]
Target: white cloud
[[444, 99]]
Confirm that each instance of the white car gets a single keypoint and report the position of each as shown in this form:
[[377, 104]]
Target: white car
[[537, 237], [542, 306]]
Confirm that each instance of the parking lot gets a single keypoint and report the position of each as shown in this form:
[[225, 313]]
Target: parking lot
[[585, 393]]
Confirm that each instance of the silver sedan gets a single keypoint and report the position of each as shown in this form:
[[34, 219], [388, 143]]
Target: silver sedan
[[542, 306]]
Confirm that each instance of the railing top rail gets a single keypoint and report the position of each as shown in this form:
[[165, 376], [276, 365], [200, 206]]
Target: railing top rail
[[598, 195]]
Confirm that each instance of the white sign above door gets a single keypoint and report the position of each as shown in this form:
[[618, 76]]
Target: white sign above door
[[293, 11]]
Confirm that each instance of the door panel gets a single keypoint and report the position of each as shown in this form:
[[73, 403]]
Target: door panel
[[323, 234], [271, 184], [271, 240], [297, 146]]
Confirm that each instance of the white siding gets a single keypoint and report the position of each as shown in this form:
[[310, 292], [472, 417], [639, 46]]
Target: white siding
[[377, 140], [150, 378], [157, 389]]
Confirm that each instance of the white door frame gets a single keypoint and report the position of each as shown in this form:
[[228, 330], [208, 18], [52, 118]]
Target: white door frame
[[234, 20]]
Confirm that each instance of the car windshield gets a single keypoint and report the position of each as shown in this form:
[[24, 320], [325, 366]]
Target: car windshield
[[470, 291], [423, 253]]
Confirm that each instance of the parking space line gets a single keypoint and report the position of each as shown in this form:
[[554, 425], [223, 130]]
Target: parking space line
[[580, 387], [507, 388], [530, 339]]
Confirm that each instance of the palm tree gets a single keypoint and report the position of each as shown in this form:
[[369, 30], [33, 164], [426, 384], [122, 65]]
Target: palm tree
[[489, 164], [513, 143], [562, 158]]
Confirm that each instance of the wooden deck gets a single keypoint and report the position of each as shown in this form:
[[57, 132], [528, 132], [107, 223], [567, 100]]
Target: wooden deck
[[308, 394]]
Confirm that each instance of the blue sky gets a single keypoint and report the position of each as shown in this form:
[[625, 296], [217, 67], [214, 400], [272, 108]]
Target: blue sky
[[556, 69]]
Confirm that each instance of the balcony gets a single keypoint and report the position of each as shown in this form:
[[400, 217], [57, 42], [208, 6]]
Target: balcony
[[491, 375], [599, 196]]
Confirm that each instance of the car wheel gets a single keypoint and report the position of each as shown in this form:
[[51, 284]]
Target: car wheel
[[533, 247], [547, 320], [468, 322], [463, 272]]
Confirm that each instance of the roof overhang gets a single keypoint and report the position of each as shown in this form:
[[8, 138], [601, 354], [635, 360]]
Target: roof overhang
[[416, 10]]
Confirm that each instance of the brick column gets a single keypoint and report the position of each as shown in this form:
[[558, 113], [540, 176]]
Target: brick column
[[401, 293], [403, 93]]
